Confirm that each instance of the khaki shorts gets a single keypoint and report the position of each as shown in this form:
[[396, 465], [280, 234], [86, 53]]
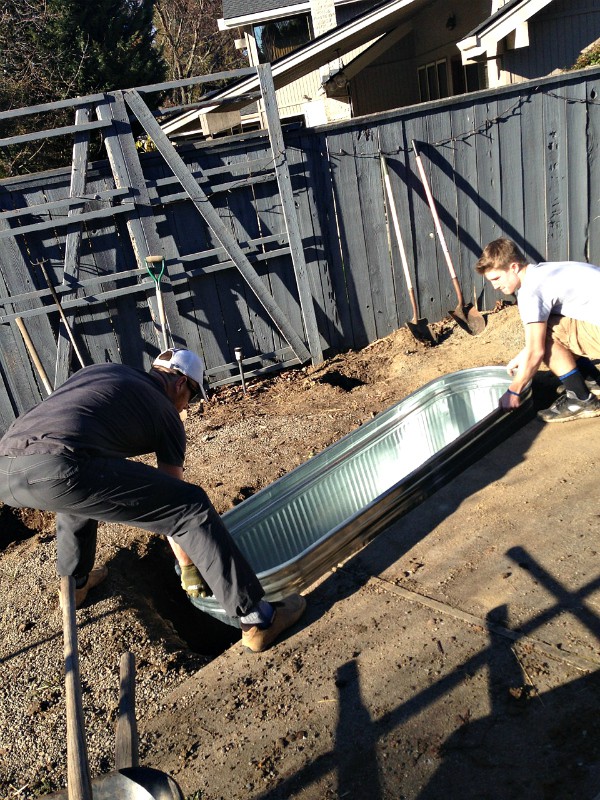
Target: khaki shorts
[[581, 338]]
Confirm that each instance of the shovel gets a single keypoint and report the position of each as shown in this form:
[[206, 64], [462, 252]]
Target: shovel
[[417, 326], [468, 318], [62, 314], [156, 274], [129, 782]]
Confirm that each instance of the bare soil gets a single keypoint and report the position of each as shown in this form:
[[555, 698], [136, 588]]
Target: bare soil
[[238, 443]]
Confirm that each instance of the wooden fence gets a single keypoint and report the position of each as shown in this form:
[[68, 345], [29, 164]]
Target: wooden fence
[[521, 162]]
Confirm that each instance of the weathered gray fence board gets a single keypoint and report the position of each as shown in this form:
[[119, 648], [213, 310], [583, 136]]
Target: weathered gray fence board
[[511, 168], [55, 269], [245, 321], [329, 227], [592, 159], [278, 271], [577, 187], [534, 178], [255, 334], [439, 163], [465, 175], [352, 237], [200, 304], [380, 270], [427, 272], [556, 163], [390, 144], [488, 171], [307, 172], [73, 241], [23, 386], [290, 219], [141, 224]]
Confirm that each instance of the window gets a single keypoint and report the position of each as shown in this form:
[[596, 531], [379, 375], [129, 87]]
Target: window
[[468, 77], [433, 80], [281, 36]]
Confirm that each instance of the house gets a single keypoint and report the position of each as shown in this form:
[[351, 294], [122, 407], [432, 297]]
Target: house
[[336, 59]]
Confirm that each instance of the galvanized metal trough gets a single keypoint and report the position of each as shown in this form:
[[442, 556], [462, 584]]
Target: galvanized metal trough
[[299, 527]]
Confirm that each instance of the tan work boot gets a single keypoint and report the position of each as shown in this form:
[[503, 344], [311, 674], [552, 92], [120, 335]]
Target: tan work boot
[[288, 611], [95, 577]]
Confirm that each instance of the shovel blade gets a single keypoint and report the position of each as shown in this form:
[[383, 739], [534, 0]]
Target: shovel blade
[[475, 321], [459, 316], [421, 331], [137, 783], [469, 320], [132, 783]]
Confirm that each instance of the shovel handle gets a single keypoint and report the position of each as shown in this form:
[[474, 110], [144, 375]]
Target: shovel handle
[[126, 747], [162, 317], [395, 222], [78, 775], [61, 312], [156, 274], [33, 353], [434, 214]]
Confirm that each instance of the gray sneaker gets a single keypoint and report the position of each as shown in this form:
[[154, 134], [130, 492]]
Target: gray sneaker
[[568, 406]]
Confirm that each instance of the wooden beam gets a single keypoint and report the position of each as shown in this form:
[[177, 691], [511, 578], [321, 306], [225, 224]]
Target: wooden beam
[[87, 216], [67, 202], [225, 237], [289, 212], [127, 172], [71, 268], [50, 133]]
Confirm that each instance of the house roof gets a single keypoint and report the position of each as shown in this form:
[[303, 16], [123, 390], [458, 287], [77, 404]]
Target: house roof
[[242, 12], [237, 13], [500, 24], [367, 27]]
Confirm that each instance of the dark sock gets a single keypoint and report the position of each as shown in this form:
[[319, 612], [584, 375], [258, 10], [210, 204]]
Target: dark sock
[[588, 369], [261, 615], [80, 581], [573, 382]]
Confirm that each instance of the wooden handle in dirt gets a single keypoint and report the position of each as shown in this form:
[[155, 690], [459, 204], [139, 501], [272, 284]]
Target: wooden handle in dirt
[[396, 224], [434, 214], [126, 749], [33, 353], [78, 775]]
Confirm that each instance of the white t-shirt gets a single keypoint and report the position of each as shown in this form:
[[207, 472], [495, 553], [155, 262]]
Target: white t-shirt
[[568, 288]]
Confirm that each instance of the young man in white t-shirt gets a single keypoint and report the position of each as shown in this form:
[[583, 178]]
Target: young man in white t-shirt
[[559, 304]]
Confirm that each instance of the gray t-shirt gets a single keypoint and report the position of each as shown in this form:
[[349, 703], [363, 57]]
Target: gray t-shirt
[[568, 288], [103, 410]]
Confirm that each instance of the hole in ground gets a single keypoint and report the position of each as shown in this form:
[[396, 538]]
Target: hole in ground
[[20, 524], [341, 381], [155, 577]]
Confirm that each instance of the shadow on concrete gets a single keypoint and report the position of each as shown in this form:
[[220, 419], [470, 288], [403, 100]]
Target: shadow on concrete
[[530, 745]]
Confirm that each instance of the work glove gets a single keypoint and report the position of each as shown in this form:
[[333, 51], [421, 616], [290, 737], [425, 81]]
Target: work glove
[[192, 582]]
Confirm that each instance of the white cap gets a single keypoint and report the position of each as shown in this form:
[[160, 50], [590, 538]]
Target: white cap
[[184, 361]]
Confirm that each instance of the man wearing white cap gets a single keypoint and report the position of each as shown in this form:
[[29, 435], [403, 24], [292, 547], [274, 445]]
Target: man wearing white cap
[[71, 454]]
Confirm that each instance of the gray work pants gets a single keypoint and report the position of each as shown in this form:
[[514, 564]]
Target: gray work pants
[[83, 490]]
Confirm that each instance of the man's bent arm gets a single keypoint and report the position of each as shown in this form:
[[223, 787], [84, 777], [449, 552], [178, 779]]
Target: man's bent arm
[[532, 355], [525, 364]]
